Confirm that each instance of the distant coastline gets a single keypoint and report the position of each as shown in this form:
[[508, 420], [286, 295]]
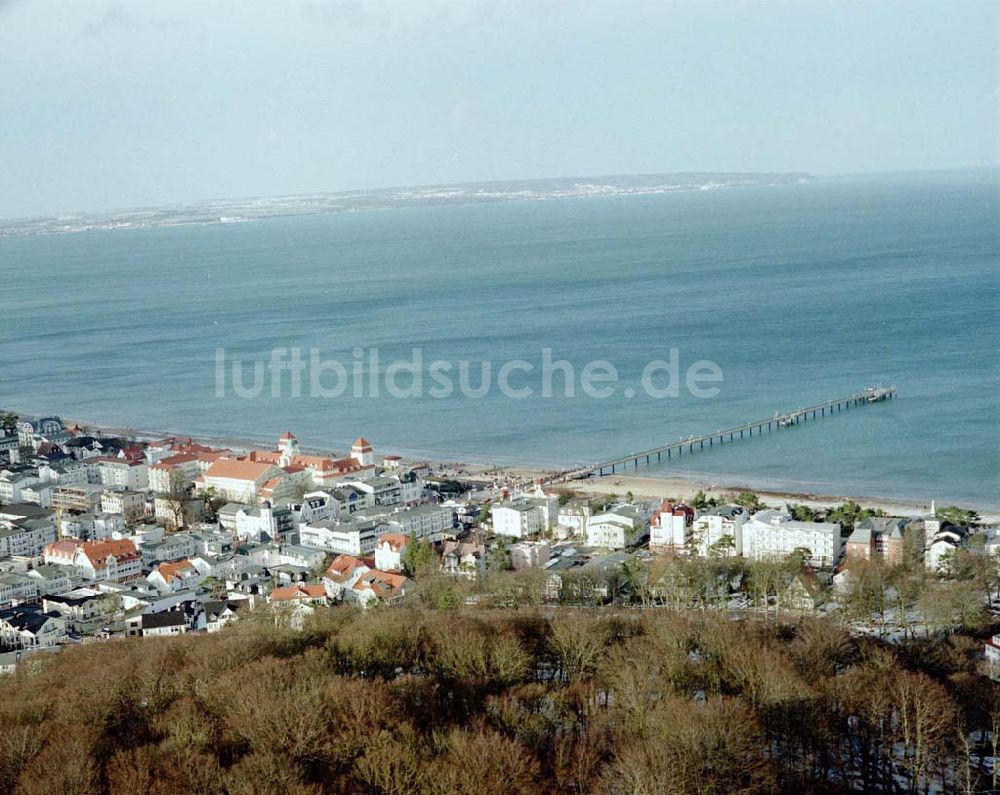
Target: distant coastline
[[228, 211]]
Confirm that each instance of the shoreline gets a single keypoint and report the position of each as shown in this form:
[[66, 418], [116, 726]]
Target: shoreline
[[685, 489], [666, 487]]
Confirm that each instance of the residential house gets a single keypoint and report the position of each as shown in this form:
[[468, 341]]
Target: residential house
[[123, 473], [165, 624], [944, 544], [13, 482], [83, 611], [25, 537], [177, 511], [211, 542], [175, 474], [227, 515], [718, 532], [300, 555], [38, 494], [29, 626], [142, 534], [343, 536], [992, 651], [877, 538], [10, 452], [91, 526], [316, 506], [82, 497], [216, 615], [463, 559], [383, 491], [129, 504], [16, 588], [617, 528], [51, 579], [342, 573], [351, 499], [115, 561], [21, 510], [529, 554], [671, 529], [524, 517], [301, 592], [423, 521], [803, 593], [574, 516], [378, 587], [264, 523], [31, 433], [389, 551], [65, 472], [177, 575], [174, 546], [860, 544]]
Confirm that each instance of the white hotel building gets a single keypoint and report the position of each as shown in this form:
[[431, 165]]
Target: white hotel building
[[525, 516], [773, 534], [716, 524]]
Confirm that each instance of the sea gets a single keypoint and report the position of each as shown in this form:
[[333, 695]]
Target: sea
[[791, 294]]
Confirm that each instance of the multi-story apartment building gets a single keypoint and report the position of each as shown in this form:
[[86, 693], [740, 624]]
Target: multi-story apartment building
[[773, 534]]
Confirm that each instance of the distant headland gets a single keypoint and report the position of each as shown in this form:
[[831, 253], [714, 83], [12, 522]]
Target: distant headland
[[222, 211]]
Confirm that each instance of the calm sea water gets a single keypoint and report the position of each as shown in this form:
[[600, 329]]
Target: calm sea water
[[799, 293]]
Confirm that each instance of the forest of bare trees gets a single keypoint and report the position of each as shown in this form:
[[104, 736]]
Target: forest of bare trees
[[418, 700]]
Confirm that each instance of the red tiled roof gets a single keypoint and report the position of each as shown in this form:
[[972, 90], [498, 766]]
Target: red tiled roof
[[292, 592], [66, 546], [177, 568], [237, 469], [174, 460], [396, 540], [343, 563], [301, 461], [381, 582], [97, 551], [271, 484]]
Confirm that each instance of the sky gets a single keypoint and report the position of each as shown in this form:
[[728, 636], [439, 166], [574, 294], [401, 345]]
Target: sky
[[109, 104]]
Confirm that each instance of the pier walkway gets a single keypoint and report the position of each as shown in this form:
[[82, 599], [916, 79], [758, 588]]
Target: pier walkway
[[692, 444]]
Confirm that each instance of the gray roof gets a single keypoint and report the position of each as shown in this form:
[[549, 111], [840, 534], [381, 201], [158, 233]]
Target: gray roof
[[27, 617], [24, 510], [861, 535], [727, 511], [168, 618], [49, 571]]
